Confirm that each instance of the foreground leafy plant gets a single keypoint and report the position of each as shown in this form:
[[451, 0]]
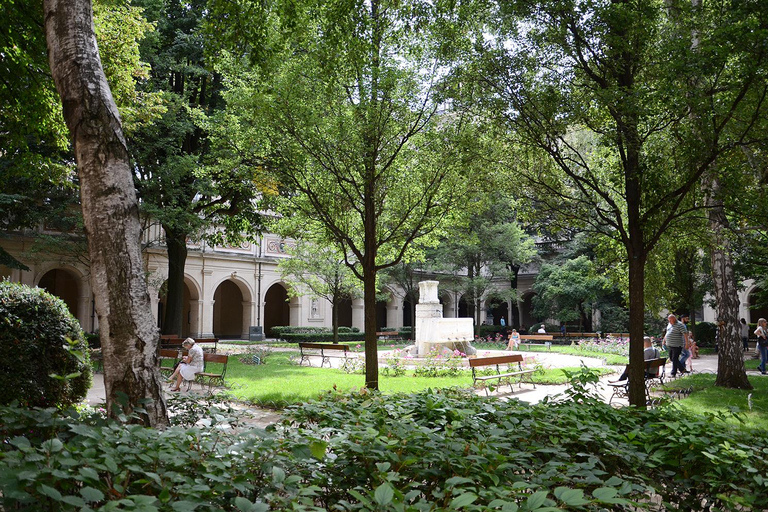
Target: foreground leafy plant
[[434, 450]]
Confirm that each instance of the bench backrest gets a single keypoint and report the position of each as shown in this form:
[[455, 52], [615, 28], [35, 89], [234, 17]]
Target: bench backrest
[[206, 340], [215, 358], [325, 346], [494, 360], [540, 337], [169, 353], [653, 364]]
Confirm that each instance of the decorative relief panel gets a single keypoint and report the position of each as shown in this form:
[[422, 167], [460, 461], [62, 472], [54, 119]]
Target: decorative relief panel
[[278, 246]]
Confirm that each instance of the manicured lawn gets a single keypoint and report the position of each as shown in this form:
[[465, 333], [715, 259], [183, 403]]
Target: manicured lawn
[[281, 382], [612, 359], [708, 399]]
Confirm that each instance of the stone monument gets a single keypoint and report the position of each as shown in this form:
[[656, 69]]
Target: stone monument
[[434, 330]]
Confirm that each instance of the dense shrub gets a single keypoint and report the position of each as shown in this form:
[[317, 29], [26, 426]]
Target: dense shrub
[[434, 450], [93, 339], [322, 337], [704, 334], [280, 331], [43, 353], [489, 330]]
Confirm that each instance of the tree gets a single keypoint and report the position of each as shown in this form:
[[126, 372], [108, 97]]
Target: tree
[[37, 178], [568, 291], [188, 174], [598, 102], [110, 212], [482, 249], [357, 134], [322, 270]]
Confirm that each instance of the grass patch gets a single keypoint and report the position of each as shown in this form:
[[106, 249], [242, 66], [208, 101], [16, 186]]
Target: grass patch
[[611, 359], [706, 398], [281, 382]]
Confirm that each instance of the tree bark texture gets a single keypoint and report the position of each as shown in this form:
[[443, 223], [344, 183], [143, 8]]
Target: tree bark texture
[[731, 372], [110, 212]]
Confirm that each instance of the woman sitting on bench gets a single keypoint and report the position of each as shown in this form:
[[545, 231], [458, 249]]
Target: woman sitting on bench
[[190, 365], [514, 340]]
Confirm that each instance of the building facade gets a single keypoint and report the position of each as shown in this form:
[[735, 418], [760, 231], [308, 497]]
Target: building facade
[[234, 292]]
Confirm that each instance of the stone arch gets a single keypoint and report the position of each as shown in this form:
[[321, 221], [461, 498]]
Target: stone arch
[[69, 285], [526, 311], [498, 307], [190, 324], [755, 313], [464, 308], [345, 312], [231, 308], [277, 309]]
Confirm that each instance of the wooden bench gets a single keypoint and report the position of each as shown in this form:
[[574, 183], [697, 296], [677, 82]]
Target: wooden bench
[[655, 373], [324, 350], [212, 378], [385, 335], [207, 341], [165, 355], [526, 339], [497, 362], [581, 335], [170, 341]]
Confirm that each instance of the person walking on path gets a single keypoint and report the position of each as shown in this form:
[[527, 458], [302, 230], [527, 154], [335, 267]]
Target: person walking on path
[[675, 339], [686, 353], [762, 342], [744, 327]]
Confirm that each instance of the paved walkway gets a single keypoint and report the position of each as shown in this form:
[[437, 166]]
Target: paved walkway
[[263, 417]]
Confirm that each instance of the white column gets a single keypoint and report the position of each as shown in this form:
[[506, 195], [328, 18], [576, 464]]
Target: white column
[[247, 310], [84, 312], [358, 314], [395, 313], [195, 313], [295, 308], [208, 302]]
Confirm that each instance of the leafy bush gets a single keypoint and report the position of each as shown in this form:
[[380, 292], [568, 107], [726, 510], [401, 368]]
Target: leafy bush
[[93, 339], [281, 331], [322, 337], [704, 334], [435, 450], [486, 330], [43, 353]]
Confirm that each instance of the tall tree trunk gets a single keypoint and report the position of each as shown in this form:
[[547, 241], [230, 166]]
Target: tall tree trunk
[[110, 211], [176, 243], [731, 372], [371, 347], [335, 318], [514, 313], [636, 320]]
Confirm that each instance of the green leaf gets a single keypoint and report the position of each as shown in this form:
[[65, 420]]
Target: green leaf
[[318, 448], [49, 491], [456, 480], [384, 494], [53, 445], [75, 501], [91, 495], [22, 443], [111, 465], [463, 500], [536, 500], [278, 475], [571, 497], [605, 493]]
